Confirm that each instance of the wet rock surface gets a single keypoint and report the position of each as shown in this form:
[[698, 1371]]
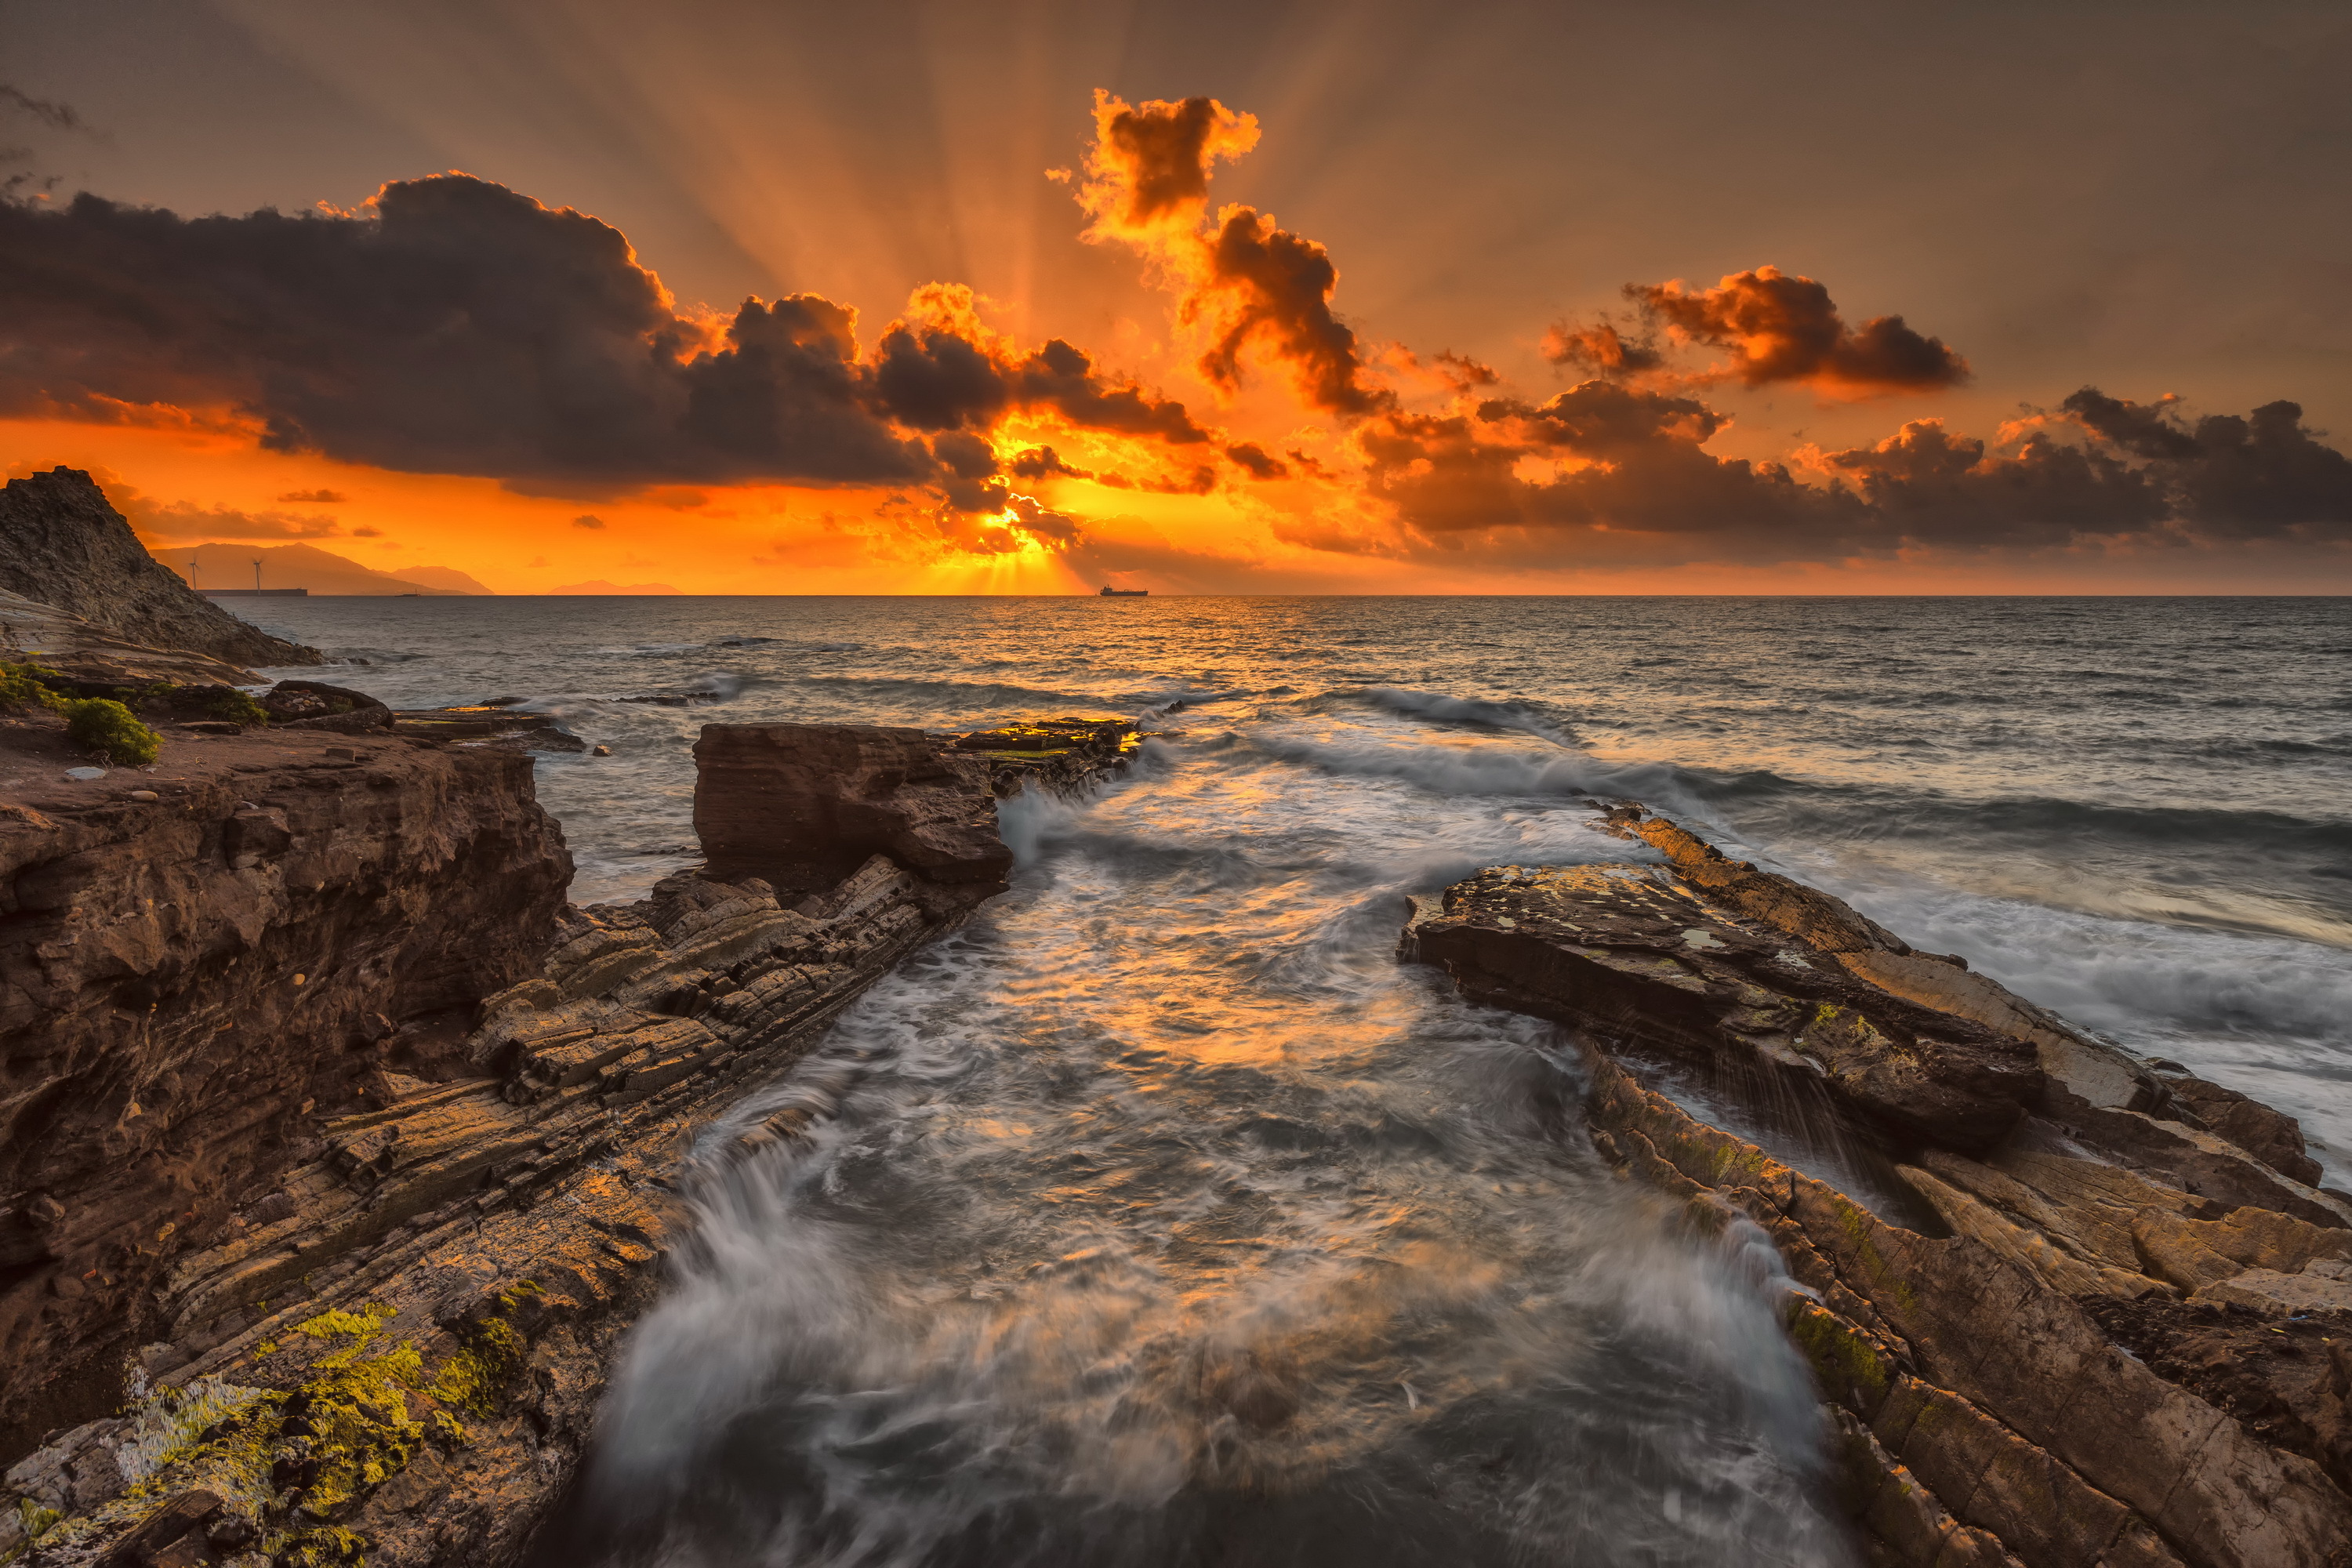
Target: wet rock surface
[[487, 724], [395, 1345], [63, 545], [1633, 951], [2109, 1332]]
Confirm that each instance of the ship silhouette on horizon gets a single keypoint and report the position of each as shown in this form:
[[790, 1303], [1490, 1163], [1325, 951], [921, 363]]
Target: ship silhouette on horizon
[[1110, 592]]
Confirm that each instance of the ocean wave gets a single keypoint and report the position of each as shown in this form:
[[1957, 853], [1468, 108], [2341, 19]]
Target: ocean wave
[[994, 691], [367, 655], [1477, 770], [1441, 707], [1885, 812]]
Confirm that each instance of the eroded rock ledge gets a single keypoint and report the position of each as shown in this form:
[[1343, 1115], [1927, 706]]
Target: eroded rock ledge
[[2095, 1314], [393, 1348]]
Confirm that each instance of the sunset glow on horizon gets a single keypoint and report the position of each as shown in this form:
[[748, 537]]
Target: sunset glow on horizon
[[1183, 393]]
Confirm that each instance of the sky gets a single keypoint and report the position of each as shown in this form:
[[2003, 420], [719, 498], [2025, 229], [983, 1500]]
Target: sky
[[1032, 298]]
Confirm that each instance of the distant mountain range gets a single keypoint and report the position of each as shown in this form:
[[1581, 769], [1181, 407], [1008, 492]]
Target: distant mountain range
[[307, 566]]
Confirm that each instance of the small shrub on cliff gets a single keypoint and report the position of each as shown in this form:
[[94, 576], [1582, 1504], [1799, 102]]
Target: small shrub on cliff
[[110, 726], [236, 707], [21, 688]]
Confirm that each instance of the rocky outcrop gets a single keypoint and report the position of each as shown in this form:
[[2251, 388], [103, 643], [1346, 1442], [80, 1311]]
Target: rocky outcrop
[[200, 963], [64, 545], [90, 659], [396, 1347], [1617, 949], [803, 806], [2101, 1331]]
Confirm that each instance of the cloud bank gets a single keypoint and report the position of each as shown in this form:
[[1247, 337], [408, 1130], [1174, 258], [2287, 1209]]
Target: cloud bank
[[459, 327], [455, 326]]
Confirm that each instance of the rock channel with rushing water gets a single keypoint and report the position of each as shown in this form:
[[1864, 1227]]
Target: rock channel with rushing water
[[975, 1160]]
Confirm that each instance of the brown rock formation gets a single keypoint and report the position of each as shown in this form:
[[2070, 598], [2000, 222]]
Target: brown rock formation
[[398, 1345], [88, 655], [62, 544], [189, 984], [805, 804], [2099, 1363], [1617, 949]]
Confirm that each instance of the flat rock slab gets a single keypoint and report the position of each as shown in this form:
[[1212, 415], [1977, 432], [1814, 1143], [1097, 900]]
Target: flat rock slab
[[1633, 952]]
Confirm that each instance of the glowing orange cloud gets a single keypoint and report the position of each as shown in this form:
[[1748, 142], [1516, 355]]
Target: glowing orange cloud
[[1247, 286], [1778, 328]]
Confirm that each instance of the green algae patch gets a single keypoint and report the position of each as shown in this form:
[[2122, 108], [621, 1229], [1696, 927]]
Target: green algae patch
[[1848, 1367], [290, 1461], [33, 1522], [213, 1434], [354, 1407], [488, 1356]]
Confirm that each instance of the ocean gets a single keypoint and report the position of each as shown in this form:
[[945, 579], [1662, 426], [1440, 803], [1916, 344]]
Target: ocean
[[1161, 1217]]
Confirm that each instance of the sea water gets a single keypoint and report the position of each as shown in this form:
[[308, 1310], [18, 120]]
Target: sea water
[[1159, 1216]]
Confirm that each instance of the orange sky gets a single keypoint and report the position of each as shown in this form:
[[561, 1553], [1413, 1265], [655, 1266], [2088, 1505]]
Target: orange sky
[[1626, 441]]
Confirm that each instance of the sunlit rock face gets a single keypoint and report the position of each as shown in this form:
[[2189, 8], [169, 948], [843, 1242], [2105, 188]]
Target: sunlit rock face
[[2078, 1309]]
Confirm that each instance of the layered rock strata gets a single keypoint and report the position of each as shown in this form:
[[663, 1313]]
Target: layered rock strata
[[2097, 1315], [90, 659], [198, 961], [395, 1351], [63, 545]]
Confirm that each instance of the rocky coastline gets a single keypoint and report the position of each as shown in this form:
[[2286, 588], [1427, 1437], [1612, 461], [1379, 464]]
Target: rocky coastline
[[2065, 1307], [342, 1150], [337, 1150]]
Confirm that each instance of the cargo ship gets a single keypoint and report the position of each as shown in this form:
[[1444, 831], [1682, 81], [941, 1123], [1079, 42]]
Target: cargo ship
[[1109, 593]]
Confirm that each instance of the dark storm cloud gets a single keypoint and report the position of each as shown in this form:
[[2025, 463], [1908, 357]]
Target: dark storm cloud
[[1938, 489], [1607, 472], [1612, 467], [2227, 476], [1256, 460], [1776, 327], [1151, 164], [1060, 377], [1271, 289], [1042, 462], [2137, 471], [59, 116], [1253, 287], [459, 327], [1600, 349], [937, 377]]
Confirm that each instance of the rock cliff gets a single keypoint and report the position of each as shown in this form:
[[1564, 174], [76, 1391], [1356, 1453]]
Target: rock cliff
[[394, 1346], [2076, 1309], [199, 963], [64, 545]]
